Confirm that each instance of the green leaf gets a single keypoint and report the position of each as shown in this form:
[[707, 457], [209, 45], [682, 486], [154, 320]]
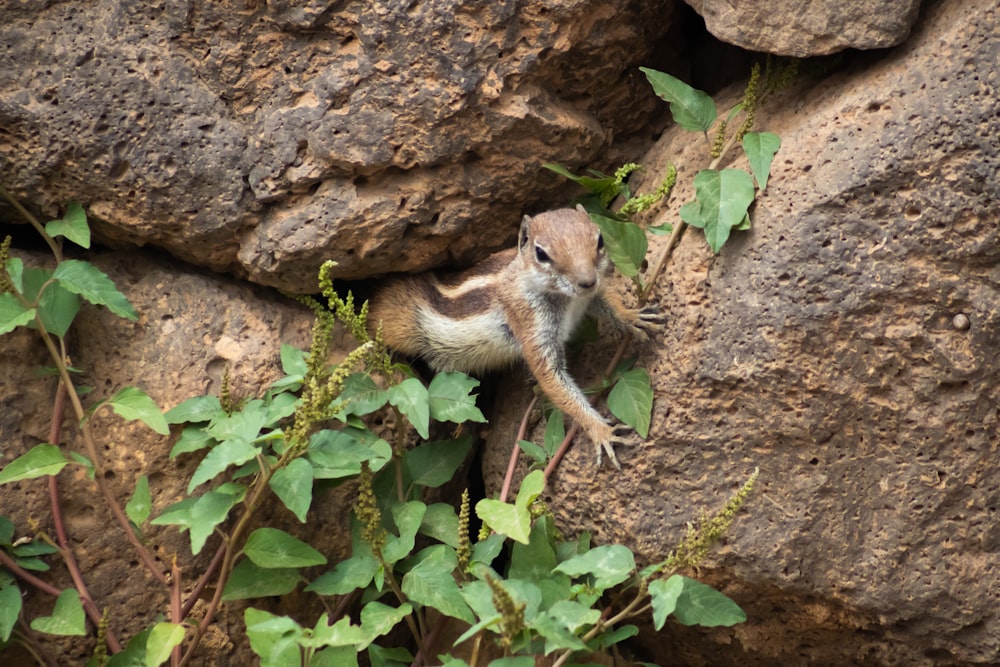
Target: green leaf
[[73, 225], [605, 187], [722, 200], [293, 484], [273, 548], [192, 439], [141, 504], [407, 517], [346, 576], [691, 108], [361, 396], [485, 551], [39, 461], [336, 454], [134, 654], [274, 638], [431, 583], [335, 656], [441, 522], [15, 270], [451, 398], [389, 657], [760, 148], [609, 565], [228, 453], [56, 306], [88, 281], [6, 535], [13, 314], [513, 661], [377, 619], [537, 454], [555, 431], [67, 618], [700, 604], [161, 641], [631, 400], [249, 581], [293, 360], [510, 520], [434, 463], [195, 409], [535, 560], [626, 244], [10, 610], [411, 398], [210, 510], [664, 596], [531, 487], [132, 403]]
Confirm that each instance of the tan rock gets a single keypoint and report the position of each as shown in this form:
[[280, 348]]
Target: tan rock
[[821, 346], [801, 29]]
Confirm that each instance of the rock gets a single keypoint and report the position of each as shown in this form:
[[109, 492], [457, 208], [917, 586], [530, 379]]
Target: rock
[[791, 28], [264, 139], [822, 347], [192, 326]]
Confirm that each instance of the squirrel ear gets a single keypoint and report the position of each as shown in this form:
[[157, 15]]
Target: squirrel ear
[[581, 209], [522, 237]]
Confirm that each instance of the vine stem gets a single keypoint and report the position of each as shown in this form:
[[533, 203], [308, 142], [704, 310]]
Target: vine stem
[[53, 245], [522, 430], [58, 410]]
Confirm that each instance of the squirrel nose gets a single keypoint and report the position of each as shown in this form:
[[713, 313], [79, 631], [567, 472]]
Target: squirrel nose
[[586, 283]]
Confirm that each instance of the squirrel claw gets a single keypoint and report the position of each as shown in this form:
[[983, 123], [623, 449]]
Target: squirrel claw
[[621, 435]]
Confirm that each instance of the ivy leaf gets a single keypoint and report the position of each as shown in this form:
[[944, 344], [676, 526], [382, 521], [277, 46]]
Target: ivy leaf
[[161, 642], [408, 517], [691, 108], [340, 453], [293, 484], [434, 463], [441, 523], [631, 400], [67, 618], [13, 314], [141, 504], [722, 200], [132, 403], [664, 596], [626, 243], [412, 399], [73, 225], [92, 284], [451, 398], [293, 360], [249, 581], [760, 148], [274, 638], [39, 461], [273, 548], [700, 604]]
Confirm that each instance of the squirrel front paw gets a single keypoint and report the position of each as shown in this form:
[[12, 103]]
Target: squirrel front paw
[[649, 322], [616, 435]]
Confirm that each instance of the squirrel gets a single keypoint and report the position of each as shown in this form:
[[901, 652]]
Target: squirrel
[[519, 303]]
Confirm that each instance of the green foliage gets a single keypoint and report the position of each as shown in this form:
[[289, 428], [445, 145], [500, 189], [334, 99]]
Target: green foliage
[[305, 432]]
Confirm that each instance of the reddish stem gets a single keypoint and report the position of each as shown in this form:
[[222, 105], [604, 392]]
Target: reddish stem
[[512, 466], [58, 411]]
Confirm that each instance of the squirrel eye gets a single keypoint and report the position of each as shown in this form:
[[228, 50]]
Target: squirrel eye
[[541, 255], [600, 242]]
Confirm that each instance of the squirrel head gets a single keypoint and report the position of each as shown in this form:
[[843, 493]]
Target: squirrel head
[[563, 252]]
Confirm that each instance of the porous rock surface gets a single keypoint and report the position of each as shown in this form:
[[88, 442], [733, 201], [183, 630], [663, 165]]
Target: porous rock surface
[[193, 326], [846, 346], [265, 138], [802, 29]]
